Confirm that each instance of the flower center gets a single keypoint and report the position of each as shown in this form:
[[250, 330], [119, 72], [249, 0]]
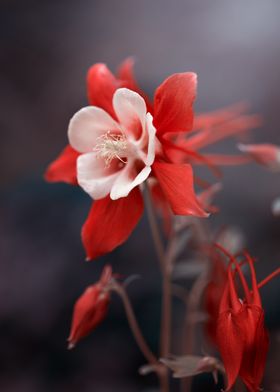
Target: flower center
[[110, 146]]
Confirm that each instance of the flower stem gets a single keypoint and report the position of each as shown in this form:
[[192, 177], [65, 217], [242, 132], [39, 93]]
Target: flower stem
[[138, 336], [154, 229], [150, 357], [166, 285], [192, 301]]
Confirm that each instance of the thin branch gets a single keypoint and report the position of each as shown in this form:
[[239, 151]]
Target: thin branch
[[135, 329]]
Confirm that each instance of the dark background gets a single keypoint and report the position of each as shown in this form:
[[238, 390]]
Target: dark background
[[46, 49]]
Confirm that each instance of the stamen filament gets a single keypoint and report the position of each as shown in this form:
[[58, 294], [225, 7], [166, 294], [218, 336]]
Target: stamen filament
[[110, 146]]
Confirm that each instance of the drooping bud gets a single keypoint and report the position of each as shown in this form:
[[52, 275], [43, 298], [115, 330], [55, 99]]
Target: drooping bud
[[91, 308]]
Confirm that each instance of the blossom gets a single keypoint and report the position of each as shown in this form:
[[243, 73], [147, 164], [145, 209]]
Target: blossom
[[91, 308], [123, 139], [119, 143], [241, 336], [116, 156]]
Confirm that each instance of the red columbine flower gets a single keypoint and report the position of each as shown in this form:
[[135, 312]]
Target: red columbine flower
[[91, 308], [120, 141], [120, 144], [241, 335]]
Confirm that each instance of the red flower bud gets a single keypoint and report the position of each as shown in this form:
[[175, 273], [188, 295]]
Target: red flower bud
[[91, 308], [241, 335]]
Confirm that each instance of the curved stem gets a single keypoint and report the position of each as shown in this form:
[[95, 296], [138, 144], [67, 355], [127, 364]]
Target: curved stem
[[135, 329], [193, 300], [159, 369]]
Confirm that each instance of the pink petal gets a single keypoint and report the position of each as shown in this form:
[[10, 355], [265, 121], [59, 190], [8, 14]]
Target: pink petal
[[63, 168], [127, 180], [174, 100], [130, 109], [231, 345], [150, 134], [110, 223], [87, 125], [176, 181], [101, 86], [94, 177]]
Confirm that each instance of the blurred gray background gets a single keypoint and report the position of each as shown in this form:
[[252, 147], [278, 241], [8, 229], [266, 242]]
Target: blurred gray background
[[46, 49]]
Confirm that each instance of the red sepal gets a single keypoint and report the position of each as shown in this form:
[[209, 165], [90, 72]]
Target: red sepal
[[173, 103], [110, 222], [176, 181], [63, 168], [101, 85]]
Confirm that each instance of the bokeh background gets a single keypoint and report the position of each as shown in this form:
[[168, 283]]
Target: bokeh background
[[46, 49]]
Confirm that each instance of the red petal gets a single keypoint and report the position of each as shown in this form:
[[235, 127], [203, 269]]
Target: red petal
[[126, 74], [230, 344], [63, 168], [254, 356], [213, 294], [102, 84], [174, 103], [110, 222], [176, 181]]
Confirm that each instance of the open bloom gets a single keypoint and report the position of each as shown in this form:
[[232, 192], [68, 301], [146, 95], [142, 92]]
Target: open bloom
[[116, 156], [120, 141], [117, 143], [91, 308], [241, 336]]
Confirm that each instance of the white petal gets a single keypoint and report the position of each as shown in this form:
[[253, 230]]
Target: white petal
[[94, 177], [127, 180], [130, 108], [88, 124], [151, 130]]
